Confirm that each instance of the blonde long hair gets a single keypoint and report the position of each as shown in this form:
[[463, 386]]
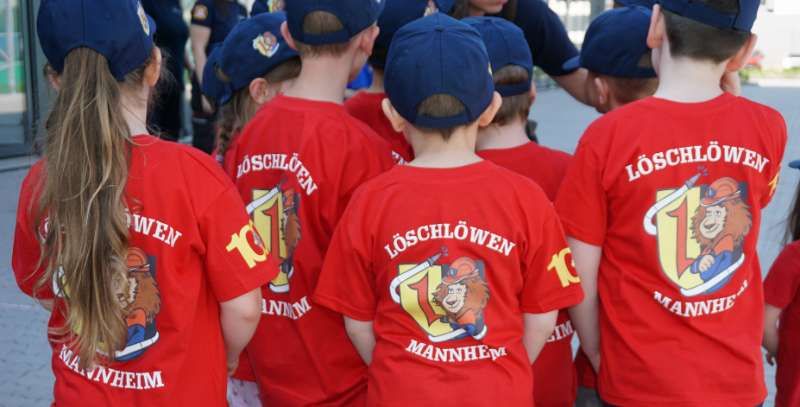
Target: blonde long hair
[[84, 222]]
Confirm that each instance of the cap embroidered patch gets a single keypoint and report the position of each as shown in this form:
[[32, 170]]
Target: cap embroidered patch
[[266, 44], [200, 12]]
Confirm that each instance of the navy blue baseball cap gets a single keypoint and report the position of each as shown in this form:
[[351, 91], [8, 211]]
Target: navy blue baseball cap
[[119, 30], [741, 21], [795, 164], [506, 45], [355, 16], [252, 49], [213, 86], [615, 43], [397, 13], [438, 55]]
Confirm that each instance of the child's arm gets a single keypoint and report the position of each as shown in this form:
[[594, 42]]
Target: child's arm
[[584, 315], [538, 327], [771, 316], [362, 336], [239, 318]]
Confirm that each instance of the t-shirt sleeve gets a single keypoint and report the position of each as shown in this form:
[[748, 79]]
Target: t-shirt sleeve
[[203, 13], [783, 280], [235, 259], [551, 281], [777, 126], [550, 45], [582, 201], [347, 282], [26, 253]]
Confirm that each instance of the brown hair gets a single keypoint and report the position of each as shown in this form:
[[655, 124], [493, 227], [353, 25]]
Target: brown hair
[[440, 105], [517, 106], [793, 231], [695, 40], [318, 23], [234, 115], [85, 232], [628, 90]]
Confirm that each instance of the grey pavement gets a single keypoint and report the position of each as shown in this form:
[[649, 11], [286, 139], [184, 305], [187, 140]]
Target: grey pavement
[[25, 376]]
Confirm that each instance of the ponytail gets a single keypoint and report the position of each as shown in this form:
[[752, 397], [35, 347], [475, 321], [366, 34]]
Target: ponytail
[[85, 232]]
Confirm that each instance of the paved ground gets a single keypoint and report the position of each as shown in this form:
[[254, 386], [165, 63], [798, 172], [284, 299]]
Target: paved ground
[[25, 378]]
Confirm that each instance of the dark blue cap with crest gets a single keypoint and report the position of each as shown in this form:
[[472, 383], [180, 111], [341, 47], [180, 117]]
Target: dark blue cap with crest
[[252, 49], [119, 30], [740, 21], [355, 16], [506, 45], [397, 13], [438, 55], [615, 44]]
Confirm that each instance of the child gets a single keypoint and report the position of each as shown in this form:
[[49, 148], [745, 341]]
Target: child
[[251, 67], [782, 297], [620, 71], [505, 142], [297, 163], [141, 248], [661, 206], [477, 250], [616, 56], [366, 105]]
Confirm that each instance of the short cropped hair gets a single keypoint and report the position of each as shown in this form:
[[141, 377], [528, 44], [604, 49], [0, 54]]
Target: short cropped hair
[[440, 105], [517, 106], [691, 39], [318, 23], [627, 90]]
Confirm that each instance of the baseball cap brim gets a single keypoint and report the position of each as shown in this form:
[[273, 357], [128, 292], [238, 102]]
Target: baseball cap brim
[[795, 164], [572, 63]]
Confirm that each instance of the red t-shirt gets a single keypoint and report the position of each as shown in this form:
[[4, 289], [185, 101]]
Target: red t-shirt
[[782, 290], [191, 247], [554, 382], [366, 106], [296, 164], [447, 282], [673, 193]]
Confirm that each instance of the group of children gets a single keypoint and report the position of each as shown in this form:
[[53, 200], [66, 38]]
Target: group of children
[[409, 245]]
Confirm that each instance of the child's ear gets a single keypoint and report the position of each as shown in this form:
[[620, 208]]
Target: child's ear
[[152, 73], [487, 116], [603, 93], [657, 30], [259, 90], [368, 37], [740, 59], [288, 36], [532, 92], [398, 122]]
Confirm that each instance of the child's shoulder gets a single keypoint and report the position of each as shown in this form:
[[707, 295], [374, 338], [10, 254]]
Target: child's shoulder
[[171, 159]]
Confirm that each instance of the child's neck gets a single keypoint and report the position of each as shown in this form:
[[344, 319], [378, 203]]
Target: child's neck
[[377, 82], [687, 80], [134, 110], [432, 151], [322, 79], [497, 136]]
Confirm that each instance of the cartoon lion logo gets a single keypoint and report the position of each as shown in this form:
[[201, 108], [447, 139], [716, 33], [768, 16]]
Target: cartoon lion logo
[[463, 294], [138, 295], [290, 224], [720, 225]]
